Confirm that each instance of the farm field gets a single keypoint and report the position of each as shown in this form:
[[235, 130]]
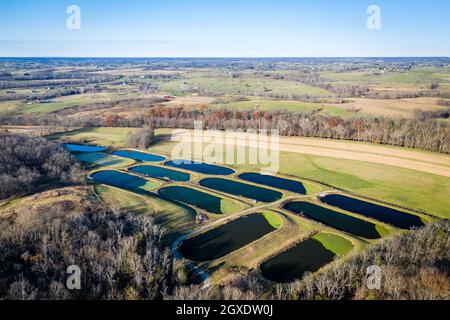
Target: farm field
[[360, 107], [410, 79]]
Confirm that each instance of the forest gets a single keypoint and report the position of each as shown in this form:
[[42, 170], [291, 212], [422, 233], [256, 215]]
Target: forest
[[27, 163], [120, 256]]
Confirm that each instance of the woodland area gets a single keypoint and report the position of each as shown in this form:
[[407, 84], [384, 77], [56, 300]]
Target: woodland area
[[27, 162], [120, 256]]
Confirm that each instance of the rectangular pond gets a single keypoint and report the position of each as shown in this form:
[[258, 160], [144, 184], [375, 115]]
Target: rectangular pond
[[307, 256], [161, 173], [399, 219], [123, 180], [193, 197], [335, 219], [242, 189], [139, 156], [227, 238], [274, 182], [82, 148], [203, 168]]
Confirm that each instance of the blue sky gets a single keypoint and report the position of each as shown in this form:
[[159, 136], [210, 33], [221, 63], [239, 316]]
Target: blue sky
[[231, 28]]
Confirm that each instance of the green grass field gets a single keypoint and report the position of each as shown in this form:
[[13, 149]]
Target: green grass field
[[339, 245], [419, 78], [295, 106], [108, 137], [223, 83], [62, 103], [273, 219]]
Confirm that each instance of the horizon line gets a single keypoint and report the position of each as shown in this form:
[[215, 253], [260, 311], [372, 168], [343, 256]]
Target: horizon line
[[217, 57]]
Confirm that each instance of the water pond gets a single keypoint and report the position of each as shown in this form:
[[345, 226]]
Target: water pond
[[194, 197], [307, 256], [82, 148], [242, 189], [399, 219], [274, 182], [335, 219], [123, 180], [227, 238], [161, 173], [203, 168]]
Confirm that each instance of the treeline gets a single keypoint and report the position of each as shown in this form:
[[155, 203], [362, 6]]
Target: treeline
[[58, 82], [423, 133], [413, 133], [141, 139], [50, 74], [437, 114], [120, 256], [25, 162], [50, 94], [414, 266]]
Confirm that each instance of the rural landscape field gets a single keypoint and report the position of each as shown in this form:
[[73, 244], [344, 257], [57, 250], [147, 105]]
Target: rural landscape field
[[146, 178]]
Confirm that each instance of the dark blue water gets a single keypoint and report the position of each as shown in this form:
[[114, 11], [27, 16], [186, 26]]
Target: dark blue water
[[161, 173], [120, 180], [391, 216], [139, 156], [227, 238], [200, 167], [274, 182], [242, 189], [309, 255], [194, 197], [334, 219], [82, 148]]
